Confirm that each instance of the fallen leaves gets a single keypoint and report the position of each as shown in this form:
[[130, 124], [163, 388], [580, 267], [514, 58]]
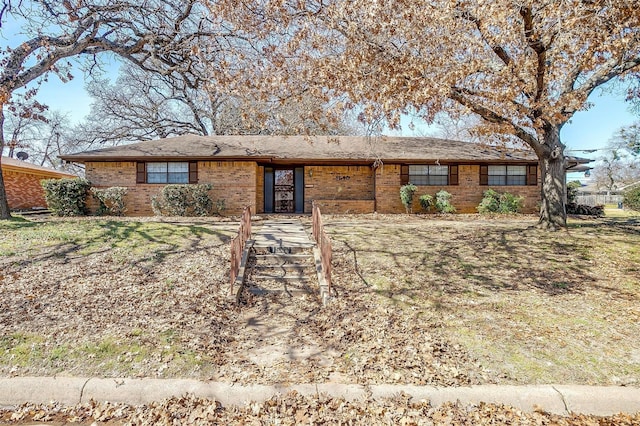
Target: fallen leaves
[[294, 408]]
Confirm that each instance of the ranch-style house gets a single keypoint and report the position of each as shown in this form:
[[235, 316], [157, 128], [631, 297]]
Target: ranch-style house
[[284, 174]]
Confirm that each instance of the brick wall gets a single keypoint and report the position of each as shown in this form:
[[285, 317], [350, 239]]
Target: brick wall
[[341, 189], [259, 190], [23, 189], [121, 173], [233, 182], [465, 196], [346, 206]]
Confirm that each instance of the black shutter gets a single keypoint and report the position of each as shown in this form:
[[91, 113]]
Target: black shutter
[[453, 175], [141, 172], [484, 175], [404, 175], [532, 175], [193, 172]]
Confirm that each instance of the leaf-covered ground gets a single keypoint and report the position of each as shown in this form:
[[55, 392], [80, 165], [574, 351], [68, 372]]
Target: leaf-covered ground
[[294, 409], [420, 300]]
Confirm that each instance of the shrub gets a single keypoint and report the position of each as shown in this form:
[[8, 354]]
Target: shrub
[[494, 202], [426, 202], [183, 200], [202, 203], [66, 197], [221, 205], [510, 203], [443, 202], [631, 198], [490, 202], [406, 196], [111, 200], [572, 191]]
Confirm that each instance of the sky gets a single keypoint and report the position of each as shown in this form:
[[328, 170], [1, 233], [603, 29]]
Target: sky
[[587, 130], [590, 129]]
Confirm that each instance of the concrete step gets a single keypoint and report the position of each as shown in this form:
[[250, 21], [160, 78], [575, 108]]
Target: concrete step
[[300, 277], [293, 292], [283, 256], [274, 262], [285, 268], [277, 248]]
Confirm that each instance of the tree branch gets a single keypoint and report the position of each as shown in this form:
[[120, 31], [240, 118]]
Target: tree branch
[[491, 116]]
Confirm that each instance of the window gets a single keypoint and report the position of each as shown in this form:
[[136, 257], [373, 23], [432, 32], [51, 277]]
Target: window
[[502, 175], [168, 172], [429, 175]]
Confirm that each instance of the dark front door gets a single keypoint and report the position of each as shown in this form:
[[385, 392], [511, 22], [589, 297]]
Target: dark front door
[[284, 190]]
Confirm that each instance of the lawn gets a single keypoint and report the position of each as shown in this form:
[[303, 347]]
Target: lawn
[[421, 300], [524, 306]]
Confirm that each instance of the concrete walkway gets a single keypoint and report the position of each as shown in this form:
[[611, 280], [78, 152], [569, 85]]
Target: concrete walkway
[[282, 233], [558, 399]]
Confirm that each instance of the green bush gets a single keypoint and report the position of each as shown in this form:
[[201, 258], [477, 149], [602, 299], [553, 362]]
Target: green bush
[[221, 205], [111, 200], [406, 196], [572, 191], [490, 202], [495, 202], [426, 202], [66, 197], [631, 199], [443, 202], [183, 200]]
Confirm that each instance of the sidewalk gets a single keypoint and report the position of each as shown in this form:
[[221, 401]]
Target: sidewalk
[[557, 399]]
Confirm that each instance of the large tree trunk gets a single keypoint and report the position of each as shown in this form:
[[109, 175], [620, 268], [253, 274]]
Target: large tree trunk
[[553, 212], [4, 203]]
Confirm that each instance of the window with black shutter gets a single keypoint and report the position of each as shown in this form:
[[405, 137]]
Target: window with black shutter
[[178, 172]]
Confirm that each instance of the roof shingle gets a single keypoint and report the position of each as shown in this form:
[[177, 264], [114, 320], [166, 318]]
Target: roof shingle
[[340, 149]]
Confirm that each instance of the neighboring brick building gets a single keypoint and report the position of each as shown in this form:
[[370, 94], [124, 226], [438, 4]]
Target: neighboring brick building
[[284, 174], [22, 183]]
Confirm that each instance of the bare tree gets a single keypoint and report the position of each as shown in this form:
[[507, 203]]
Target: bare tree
[[620, 165], [251, 115], [143, 105], [146, 33], [43, 135], [524, 66]]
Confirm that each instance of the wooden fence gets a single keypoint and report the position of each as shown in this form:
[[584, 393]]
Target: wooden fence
[[238, 244], [324, 245]]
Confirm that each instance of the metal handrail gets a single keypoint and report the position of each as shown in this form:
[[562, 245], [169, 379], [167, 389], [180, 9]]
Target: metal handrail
[[324, 243], [238, 243]]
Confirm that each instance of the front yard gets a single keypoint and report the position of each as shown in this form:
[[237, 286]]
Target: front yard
[[421, 300]]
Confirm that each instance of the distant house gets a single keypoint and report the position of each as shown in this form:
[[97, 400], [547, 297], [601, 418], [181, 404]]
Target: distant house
[[277, 174], [22, 183]]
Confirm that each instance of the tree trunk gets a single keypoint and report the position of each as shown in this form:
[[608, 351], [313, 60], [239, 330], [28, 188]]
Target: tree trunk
[[5, 213], [553, 212]]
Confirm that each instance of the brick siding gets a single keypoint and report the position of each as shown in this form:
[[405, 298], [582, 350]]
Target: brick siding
[[465, 196], [233, 182], [23, 187], [339, 189]]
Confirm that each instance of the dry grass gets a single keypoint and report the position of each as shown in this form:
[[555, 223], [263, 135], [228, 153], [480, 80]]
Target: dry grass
[[529, 306], [423, 300]]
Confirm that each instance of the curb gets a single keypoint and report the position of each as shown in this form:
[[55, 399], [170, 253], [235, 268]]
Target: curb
[[556, 399]]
